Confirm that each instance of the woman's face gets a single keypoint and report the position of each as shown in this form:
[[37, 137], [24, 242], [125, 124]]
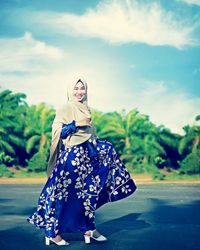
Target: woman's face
[[79, 91]]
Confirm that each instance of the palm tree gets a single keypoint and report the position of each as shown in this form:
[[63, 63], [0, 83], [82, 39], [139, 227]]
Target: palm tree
[[190, 142], [169, 141], [189, 149], [133, 135], [97, 119], [146, 149], [12, 113], [116, 127], [38, 128]]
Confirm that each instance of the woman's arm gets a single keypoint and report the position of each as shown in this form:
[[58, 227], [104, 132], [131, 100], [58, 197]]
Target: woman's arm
[[71, 128], [68, 129]]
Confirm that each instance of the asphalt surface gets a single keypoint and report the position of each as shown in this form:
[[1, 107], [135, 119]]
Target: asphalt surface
[[165, 216]]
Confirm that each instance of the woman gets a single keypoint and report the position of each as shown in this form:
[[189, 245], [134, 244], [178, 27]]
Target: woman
[[84, 173]]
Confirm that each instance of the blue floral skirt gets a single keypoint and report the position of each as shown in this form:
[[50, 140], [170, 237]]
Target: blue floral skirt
[[78, 185]]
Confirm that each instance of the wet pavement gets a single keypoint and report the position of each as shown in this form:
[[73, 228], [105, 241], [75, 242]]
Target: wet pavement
[[157, 216]]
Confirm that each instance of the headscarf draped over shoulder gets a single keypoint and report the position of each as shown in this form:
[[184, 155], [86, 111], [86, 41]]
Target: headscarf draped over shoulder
[[72, 110]]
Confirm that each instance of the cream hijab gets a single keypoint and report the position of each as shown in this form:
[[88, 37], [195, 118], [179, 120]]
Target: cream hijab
[[72, 110]]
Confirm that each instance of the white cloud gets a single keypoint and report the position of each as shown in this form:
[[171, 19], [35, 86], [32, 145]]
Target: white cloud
[[50, 86], [127, 21], [173, 109], [43, 71], [27, 54], [194, 2], [107, 92]]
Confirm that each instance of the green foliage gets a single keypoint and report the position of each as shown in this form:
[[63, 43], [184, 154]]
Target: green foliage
[[191, 140], [134, 137], [37, 130], [38, 162], [25, 136], [157, 175], [191, 163], [4, 171], [6, 159], [12, 113]]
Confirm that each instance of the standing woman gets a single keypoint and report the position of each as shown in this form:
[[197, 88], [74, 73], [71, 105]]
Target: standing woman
[[84, 172]]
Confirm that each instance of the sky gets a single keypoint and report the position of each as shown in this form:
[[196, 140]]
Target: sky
[[133, 54]]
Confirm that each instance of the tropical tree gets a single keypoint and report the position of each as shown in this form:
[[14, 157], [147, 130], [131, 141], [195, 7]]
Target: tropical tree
[[115, 127], [169, 141], [189, 149], [97, 120], [190, 142], [25, 133], [146, 149], [38, 128], [12, 113], [134, 137]]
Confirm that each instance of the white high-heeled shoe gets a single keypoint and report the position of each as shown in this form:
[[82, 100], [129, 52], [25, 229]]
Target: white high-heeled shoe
[[62, 242], [91, 234]]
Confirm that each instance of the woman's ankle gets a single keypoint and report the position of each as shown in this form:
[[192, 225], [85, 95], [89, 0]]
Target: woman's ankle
[[57, 238]]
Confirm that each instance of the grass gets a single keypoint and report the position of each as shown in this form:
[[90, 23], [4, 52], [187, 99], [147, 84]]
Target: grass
[[22, 176], [165, 177], [25, 174], [20, 172], [175, 176]]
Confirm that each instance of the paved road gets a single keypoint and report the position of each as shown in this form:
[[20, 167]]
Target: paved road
[[164, 217]]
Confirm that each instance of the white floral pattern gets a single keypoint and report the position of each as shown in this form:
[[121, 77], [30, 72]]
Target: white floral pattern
[[78, 186]]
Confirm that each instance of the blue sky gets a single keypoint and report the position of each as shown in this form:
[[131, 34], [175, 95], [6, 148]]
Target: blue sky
[[133, 54]]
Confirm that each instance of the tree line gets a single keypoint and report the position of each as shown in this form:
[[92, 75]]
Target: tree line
[[25, 137]]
